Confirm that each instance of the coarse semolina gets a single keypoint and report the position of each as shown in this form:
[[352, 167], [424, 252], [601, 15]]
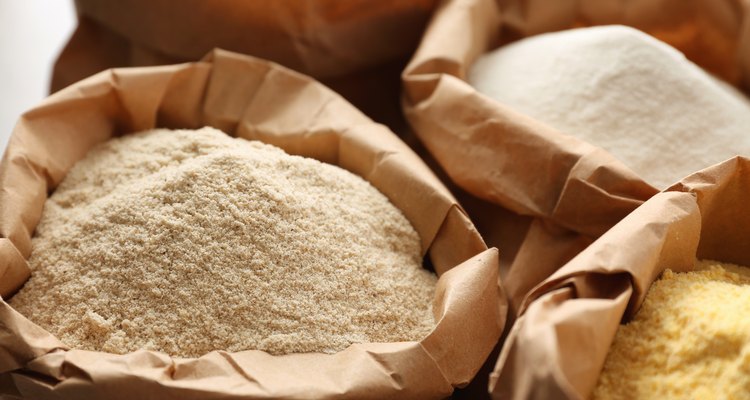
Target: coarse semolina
[[689, 340], [191, 241]]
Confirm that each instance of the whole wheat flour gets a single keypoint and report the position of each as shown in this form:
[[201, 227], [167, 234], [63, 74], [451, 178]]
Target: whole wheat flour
[[625, 91], [192, 241], [689, 340]]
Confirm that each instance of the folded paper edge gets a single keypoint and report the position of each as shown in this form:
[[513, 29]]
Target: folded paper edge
[[101, 82]]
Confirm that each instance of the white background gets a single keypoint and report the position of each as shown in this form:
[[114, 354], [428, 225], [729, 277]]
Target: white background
[[32, 34]]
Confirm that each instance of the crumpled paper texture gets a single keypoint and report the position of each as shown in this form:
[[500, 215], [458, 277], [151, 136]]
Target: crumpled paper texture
[[568, 191], [356, 47], [557, 348], [253, 99], [539, 196]]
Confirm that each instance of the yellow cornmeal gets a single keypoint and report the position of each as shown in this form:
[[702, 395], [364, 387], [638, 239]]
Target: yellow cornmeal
[[689, 340]]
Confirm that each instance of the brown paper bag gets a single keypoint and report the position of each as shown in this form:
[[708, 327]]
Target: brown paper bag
[[253, 99], [557, 348], [356, 47], [571, 191]]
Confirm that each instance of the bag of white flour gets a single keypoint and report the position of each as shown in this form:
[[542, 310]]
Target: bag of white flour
[[625, 91]]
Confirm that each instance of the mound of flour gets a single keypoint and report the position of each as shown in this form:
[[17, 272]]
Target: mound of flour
[[625, 91], [192, 241]]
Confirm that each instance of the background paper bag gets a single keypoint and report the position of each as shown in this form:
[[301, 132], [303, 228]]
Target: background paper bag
[[557, 348], [570, 192], [356, 47], [253, 99]]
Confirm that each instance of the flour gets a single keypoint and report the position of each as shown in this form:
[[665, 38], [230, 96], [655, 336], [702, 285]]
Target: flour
[[624, 91], [689, 340], [191, 241]]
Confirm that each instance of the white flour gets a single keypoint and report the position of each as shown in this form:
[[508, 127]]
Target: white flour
[[625, 91]]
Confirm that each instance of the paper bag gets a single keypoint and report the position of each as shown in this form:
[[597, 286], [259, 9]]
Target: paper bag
[[356, 47], [572, 191], [253, 99], [557, 348]]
